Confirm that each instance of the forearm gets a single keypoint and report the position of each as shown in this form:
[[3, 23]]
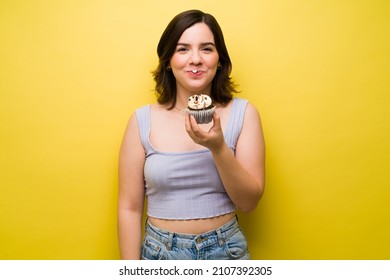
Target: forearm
[[243, 188], [130, 234]]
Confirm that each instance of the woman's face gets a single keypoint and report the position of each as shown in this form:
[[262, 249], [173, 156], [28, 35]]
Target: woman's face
[[195, 60]]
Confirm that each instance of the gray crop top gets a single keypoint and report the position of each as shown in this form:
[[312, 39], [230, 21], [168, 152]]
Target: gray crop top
[[186, 185]]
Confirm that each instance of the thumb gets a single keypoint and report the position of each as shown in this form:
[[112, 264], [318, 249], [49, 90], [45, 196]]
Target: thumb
[[217, 121]]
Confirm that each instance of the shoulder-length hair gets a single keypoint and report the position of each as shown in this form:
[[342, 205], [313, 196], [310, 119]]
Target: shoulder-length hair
[[222, 86]]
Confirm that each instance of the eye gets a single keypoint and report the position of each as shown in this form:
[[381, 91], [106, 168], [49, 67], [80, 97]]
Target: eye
[[181, 49], [207, 49]]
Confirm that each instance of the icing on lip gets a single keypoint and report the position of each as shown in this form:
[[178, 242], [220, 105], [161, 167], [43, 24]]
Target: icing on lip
[[195, 71], [195, 74]]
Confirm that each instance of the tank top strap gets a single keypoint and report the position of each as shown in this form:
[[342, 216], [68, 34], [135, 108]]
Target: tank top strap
[[236, 121], [143, 120]]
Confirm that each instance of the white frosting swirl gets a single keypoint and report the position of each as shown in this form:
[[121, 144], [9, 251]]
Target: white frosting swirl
[[199, 101]]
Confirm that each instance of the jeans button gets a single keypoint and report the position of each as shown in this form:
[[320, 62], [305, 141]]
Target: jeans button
[[200, 239]]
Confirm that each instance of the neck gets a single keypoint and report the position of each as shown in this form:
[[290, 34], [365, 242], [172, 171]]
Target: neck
[[181, 102]]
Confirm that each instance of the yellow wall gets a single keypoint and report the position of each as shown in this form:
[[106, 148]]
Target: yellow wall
[[72, 72]]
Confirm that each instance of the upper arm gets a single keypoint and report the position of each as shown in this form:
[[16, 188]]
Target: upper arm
[[131, 167], [250, 149]]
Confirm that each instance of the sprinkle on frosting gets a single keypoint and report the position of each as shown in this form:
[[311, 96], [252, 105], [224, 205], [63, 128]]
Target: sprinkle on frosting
[[199, 101]]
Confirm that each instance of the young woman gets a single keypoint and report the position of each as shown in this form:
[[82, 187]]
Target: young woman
[[194, 176]]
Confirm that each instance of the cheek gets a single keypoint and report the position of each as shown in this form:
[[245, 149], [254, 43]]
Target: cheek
[[213, 61], [177, 61]]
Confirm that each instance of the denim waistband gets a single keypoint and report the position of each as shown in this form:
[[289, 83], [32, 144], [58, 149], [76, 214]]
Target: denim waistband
[[181, 240]]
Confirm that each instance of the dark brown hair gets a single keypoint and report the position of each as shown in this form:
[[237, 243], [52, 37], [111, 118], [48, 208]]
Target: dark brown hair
[[222, 86]]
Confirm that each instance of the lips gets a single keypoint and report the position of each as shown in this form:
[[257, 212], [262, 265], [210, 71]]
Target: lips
[[195, 72]]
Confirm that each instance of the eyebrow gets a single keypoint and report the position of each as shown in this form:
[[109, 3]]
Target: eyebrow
[[202, 44]]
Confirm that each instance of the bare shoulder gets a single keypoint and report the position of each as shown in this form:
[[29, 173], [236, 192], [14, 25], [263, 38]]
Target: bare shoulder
[[251, 110], [132, 125], [131, 136], [252, 128], [252, 116]]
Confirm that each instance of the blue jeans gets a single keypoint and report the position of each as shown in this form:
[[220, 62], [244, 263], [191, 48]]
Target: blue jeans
[[225, 243]]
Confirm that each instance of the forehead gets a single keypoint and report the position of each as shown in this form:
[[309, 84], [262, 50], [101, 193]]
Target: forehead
[[199, 32]]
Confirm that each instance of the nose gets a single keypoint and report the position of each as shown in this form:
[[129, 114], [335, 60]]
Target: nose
[[196, 58]]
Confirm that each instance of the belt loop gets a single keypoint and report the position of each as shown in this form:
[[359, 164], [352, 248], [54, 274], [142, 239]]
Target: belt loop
[[221, 241], [170, 241]]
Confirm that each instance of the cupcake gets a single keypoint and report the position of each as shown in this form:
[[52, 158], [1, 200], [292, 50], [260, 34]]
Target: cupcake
[[201, 107]]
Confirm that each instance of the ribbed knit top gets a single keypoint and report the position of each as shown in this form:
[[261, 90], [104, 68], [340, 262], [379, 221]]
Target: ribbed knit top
[[186, 185]]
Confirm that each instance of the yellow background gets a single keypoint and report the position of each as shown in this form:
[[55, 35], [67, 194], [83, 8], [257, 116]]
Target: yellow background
[[72, 72]]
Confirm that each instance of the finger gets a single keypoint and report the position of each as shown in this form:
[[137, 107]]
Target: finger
[[187, 122], [196, 129], [190, 124], [217, 121], [193, 122]]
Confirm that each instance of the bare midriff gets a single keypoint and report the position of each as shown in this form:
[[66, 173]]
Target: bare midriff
[[196, 226]]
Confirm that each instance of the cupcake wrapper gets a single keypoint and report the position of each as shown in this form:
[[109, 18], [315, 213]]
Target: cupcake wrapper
[[202, 116]]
